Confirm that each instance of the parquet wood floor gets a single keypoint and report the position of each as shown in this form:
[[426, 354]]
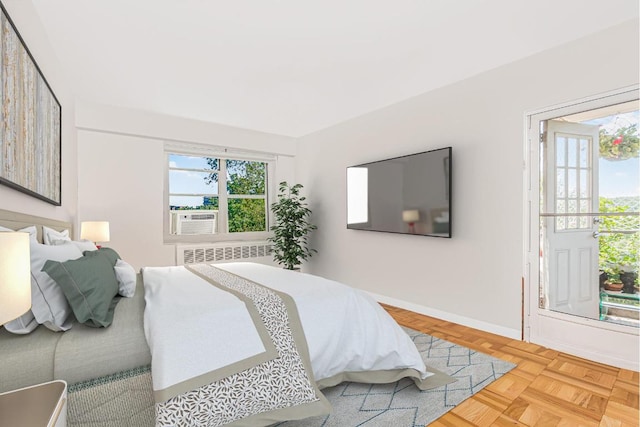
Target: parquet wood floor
[[546, 388]]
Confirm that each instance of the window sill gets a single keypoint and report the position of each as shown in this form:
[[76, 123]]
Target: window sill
[[216, 238]]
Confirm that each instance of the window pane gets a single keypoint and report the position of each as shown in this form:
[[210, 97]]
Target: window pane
[[193, 162], [572, 221], [560, 187], [190, 182], [193, 202], [584, 153], [247, 215], [584, 185], [572, 185], [246, 177], [561, 220], [561, 147], [584, 222], [573, 152], [584, 206]]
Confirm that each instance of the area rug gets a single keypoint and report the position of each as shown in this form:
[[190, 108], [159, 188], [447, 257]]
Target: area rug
[[125, 400], [402, 404]]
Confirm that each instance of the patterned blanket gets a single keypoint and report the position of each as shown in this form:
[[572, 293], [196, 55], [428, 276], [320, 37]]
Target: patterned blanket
[[272, 386]]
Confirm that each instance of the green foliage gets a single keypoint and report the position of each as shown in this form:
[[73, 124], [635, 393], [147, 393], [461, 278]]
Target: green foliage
[[618, 251], [246, 215], [244, 177], [624, 144], [290, 234]]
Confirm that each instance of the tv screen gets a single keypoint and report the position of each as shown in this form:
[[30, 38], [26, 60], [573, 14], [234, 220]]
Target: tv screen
[[409, 194]]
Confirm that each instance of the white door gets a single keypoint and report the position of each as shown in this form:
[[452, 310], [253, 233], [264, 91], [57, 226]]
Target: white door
[[570, 251], [593, 339]]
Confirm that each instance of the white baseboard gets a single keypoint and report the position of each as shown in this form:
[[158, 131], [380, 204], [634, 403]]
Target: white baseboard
[[449, 317], [605, 357]]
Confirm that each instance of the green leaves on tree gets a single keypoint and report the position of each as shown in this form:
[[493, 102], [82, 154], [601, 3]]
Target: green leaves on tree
[[290, 234]]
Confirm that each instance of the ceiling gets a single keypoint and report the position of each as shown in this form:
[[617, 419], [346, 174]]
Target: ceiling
[[292, 67]]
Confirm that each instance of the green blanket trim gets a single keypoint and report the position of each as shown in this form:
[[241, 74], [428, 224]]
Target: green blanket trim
[[119, 376]]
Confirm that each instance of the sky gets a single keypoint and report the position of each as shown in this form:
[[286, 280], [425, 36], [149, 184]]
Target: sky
[[619, 177], [190, 182]]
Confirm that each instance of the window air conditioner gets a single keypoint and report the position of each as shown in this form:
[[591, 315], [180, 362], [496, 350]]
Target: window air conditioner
[[194, 222]]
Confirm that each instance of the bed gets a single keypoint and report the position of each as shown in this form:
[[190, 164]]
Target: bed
[[232, 344]]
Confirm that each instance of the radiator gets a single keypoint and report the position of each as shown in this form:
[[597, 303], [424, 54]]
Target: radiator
[[225, 252]]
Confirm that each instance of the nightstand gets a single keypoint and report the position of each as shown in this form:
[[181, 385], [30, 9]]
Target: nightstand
[[42, 405]]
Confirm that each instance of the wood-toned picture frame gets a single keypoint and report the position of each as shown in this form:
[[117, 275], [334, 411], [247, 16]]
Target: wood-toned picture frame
[[30, 121]]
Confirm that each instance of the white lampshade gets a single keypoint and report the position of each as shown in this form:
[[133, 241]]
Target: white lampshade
[[96, 231], [15, 275], [412, 215]]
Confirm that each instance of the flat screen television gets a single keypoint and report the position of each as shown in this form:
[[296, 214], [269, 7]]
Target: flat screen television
[[409, 194]]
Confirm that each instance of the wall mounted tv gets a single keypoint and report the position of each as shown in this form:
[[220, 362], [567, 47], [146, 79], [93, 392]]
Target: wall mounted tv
[[409, 194]]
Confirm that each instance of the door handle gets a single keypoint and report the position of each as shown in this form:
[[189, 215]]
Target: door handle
[[596, 234]]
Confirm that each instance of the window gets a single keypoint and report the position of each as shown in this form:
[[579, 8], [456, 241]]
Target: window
[[216, 196]]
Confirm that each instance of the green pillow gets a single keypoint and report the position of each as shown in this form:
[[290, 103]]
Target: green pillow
[[108, 252], [90, 285]]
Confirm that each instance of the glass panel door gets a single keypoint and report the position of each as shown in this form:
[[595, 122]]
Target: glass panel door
[[589, 214]]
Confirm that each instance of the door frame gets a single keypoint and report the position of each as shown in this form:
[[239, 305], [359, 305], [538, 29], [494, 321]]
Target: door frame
[[589, 338]]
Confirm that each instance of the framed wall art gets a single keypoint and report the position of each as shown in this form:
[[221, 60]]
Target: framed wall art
[[30, 121]]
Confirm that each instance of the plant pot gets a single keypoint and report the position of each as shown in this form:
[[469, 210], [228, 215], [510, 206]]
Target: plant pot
[[615, 286], [628, 280]]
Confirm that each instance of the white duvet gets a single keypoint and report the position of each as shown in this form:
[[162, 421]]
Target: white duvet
[[346, 330]]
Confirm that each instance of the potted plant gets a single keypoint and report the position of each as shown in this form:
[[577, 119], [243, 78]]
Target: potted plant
[[612, 282], [290, 234]]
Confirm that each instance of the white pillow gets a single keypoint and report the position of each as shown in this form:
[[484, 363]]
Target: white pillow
[[83, 245], [23, 324], [49, 235], [126, 276], [33, 232], [48, 303]]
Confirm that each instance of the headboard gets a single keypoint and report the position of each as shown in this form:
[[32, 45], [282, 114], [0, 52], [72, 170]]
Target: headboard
[[17, 220]]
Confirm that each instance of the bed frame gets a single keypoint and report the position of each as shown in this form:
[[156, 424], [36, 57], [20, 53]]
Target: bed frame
[[17, 220], [123, 398]]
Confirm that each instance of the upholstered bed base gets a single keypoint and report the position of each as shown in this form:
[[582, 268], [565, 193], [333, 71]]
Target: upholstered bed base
[[81, 353], [121, 400]]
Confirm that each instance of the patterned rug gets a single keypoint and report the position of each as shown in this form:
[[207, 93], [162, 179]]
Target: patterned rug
[[126, 400], [401, 404]]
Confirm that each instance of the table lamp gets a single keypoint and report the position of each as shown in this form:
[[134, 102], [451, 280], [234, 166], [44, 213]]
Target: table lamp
[[96, 231], [15, 275], [411, 216]]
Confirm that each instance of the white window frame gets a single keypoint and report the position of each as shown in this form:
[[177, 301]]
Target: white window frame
[[222, 154]]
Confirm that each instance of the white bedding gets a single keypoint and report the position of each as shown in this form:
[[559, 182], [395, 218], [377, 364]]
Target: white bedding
[[224, 333], [346, 330], [255, 342]]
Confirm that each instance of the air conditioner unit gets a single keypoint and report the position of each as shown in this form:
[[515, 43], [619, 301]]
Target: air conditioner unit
[[194, 222]]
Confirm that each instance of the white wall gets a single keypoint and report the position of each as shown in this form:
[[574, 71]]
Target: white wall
[[475, 277], [28, 24], [121, 169]]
